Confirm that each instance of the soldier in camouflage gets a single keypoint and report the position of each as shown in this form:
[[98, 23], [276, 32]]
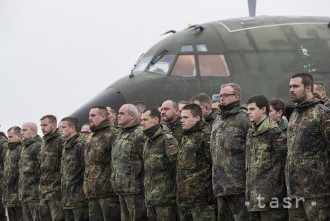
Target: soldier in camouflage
[[50, 155], [159, 157], [307, 168], [228, 142], [171, 117], [3, 148], [141, 107], [205, 103], [319, 89], [276, 113], [193, 172], [11, 175], [112, 116], [265, 149], [75, 204], [181, 104], [84, 132], [127, 165], [29, 172], [103, 202]]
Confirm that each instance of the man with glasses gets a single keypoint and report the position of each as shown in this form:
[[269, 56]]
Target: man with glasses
[[84, 132], [228, 138]]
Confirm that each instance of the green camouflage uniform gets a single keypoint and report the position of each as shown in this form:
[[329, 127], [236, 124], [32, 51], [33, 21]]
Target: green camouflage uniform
[[103, 202], [265, 149], [3, 149], [176, 128], [159, 157], [228, 142], [29, 176], [75, 204], [211, 117], [50, 155], [307, 168], [326, 102], [194, 175], [127, 172], [11, 175], [283, 125]]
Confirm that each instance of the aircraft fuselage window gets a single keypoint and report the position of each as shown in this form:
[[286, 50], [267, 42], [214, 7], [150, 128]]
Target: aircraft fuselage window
[[185, 66], [162, 65], [201, 48], [213, 65], [142, 65], [187, 48]]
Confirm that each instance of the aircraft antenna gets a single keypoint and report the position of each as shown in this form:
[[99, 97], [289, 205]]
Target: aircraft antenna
[[252, 7], [197, 27], [170, 31]]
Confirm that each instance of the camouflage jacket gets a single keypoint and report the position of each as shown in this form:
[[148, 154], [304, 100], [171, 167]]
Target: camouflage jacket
[[176, 128], [283, 125], [159, 157], [326, 102], [307, 168], [3, 149], [127, 167], [72, 170], [50, 166], [194, 165], [211, 117], [97, 179], [11, 175], [29, 170], [228, 141], [265, 149]]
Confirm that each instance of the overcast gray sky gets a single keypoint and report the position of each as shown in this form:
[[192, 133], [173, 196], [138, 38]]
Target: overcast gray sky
[[56, 55]]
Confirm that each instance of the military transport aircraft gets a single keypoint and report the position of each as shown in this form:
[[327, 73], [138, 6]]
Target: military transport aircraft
[[258, 53]]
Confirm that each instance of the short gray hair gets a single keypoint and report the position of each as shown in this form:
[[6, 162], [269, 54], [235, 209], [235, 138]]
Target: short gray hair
[[132, 110], [236, 87]]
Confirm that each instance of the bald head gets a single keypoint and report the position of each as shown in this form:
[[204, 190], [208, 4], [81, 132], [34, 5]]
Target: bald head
[[29, 129], [169, 111]]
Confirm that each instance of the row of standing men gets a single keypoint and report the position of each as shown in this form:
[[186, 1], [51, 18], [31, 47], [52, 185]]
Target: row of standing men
[[193, 161]]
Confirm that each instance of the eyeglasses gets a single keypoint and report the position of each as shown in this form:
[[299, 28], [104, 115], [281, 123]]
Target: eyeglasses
[[225, 95]]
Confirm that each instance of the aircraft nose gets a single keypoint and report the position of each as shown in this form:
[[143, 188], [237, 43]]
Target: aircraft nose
[[109, 97]]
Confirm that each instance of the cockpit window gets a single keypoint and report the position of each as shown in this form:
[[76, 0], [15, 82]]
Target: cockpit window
[[142, 64], [201, 48], [162, 65], [187, 48], [184, 66], [213, 65]]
